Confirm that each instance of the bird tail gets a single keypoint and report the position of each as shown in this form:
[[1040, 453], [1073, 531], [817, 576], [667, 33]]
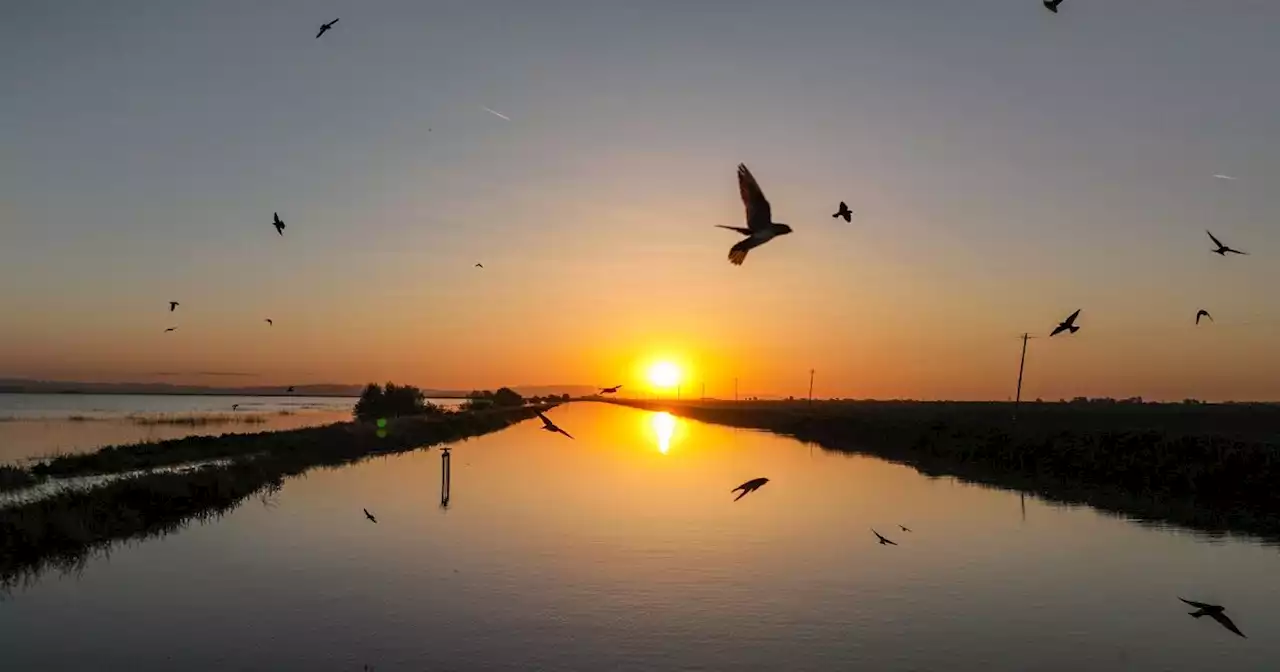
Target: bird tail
[[740, 229], [1074, 328], [1195, 614], [744, 494]]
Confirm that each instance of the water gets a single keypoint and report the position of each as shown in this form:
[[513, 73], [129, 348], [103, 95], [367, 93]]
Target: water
[[39, 425], [623, 550]]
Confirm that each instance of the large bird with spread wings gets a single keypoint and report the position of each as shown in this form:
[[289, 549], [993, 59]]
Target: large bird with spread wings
[[1222, 249], [1214, 611], [760, 227]]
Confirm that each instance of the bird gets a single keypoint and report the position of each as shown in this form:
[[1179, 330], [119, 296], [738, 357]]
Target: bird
[[610, 390], [170, 329], [1203, 313], [845, 212], [1066, 325], [1052, 5], [749, 487], [369, 516], [883, 541], [1222, 249], [904, 528], [1214, 611], [279, 224], [173, 305], [760, 227], [290, 389], [549, 426], [270, 323], [479, 265], [235, 406], [325, 27]]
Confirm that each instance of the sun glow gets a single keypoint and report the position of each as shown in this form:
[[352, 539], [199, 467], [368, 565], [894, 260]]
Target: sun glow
[[664, 375]]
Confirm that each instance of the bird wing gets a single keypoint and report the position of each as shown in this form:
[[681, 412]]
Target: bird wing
[[1200, 605], [740, 229], [332, 22], [564, 432], [759, 214], [1072, 318], [546, 422], [322, 29], [1214, 239], [1225, 622], [1234, 251], [738, 253]]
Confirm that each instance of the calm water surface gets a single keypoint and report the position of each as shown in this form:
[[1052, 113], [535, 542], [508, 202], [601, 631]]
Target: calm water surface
[[39, 425], [623, 550]]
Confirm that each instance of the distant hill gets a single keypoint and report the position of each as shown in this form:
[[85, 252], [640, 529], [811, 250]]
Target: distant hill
[[27, 386]]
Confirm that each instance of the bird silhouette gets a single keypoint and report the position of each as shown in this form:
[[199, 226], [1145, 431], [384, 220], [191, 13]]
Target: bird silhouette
[[235, 406], [1222, 249], [883, 541], [279, 224], [326, 27], [173, 305], [610, 390], [269, 322], [1214, 611], [479, 265], [170, 329], [1067, 325], [904, 528], [1203, 313], [749, 487], [1052, 5], [549, 426], [290, 389], [760, 227], [845, 212], [369, 516]]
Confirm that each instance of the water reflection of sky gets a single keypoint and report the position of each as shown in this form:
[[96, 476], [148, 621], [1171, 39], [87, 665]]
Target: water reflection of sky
[[664, 427]]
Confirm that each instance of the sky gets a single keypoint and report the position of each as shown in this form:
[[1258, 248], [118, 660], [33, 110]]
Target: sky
[[1005, 165]]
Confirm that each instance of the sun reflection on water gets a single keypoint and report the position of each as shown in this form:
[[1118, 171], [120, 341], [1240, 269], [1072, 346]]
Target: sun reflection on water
[[664, 427]]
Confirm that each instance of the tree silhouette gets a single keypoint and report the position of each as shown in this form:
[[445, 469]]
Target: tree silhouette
[[392, 401]]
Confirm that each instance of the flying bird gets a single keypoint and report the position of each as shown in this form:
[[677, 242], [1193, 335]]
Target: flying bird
[[369, 516], [760, 227], [1066, 325], [549, 426], [173, 305], [1052, 5], [845, 212], [495, 113], [170, 329], [1214, 611], [904, 528], [479, 265], [235, 406], [883, 541], [269, 322], [749, 487], [610, 390], [1203, 313], [1222, 249], [326, 27]]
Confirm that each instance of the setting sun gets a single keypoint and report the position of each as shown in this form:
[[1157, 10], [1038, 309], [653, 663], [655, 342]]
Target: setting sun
[[664, 374]]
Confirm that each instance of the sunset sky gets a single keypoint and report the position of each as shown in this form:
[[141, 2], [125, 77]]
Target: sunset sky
[[1006, 166]]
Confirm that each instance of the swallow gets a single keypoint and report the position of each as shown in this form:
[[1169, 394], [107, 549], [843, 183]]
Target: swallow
[[845, 212], [369, 516], [1214, 611], [760, 227], [326, 27], [549, 426], [1222, 249], [1068, 324], [883, 541], [278, 223], [749, 487]]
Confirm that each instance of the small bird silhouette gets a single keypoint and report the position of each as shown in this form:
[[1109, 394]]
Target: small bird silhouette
[[235, 406], [760, 227], [749, 487], [479, 265], [173, 305], [170, 329], [1067, 325], [1203, 313], [549, 426], [279, 224], [904, 528], [270, 323], [1214, 611], [610, 390], [290, 389], [1052, 5], [369, 516], [883, 541], [326, 27], [1222, 249], [845, 212]]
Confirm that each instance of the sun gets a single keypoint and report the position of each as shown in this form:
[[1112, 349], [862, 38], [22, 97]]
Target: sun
[[664, 374]]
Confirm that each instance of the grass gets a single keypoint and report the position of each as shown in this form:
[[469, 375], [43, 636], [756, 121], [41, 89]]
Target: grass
[[1208, 467], [63, 530]]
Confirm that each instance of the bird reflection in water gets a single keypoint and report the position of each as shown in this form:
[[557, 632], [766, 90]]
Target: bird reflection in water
[[664, 427]]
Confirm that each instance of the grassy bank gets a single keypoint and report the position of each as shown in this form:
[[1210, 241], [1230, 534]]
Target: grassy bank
[[1210, 467], [64, 529]]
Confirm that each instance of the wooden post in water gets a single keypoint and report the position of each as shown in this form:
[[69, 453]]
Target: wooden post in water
[[810, 387], [445, 477]]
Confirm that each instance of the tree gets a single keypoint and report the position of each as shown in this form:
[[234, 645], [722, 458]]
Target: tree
[[392, 401], [507, 397]]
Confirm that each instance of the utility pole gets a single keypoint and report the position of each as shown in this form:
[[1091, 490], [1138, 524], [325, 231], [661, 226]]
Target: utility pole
[[810, 387], [704, 390], [1017, 401], [735, 389]]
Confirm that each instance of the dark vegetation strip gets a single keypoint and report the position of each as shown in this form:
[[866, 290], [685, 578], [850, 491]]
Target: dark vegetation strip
[[1214, 468], [63, 530]]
